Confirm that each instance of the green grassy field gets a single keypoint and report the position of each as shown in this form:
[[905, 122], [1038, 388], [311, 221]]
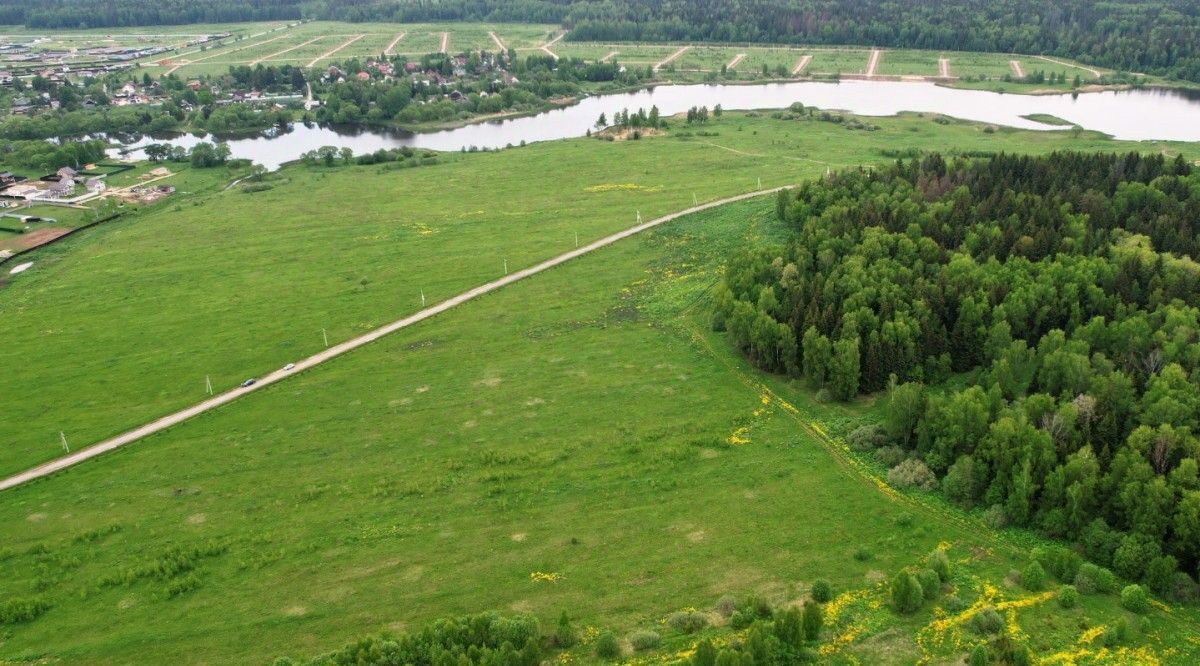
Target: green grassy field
[[583, 424], [253, 291]]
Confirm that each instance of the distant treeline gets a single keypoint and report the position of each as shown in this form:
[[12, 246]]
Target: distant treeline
[[1158, 36]]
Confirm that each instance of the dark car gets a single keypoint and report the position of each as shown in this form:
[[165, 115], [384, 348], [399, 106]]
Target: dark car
[[248, 382]]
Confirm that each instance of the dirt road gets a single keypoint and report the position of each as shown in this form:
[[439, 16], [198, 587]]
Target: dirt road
[[873, 63], [943, 68], [445, 47], [736, 59], [498, 42], [220, 52], [1094, 72], [546, 47], [667, 60], [392, 45], [330, 52], [1018, 71], [609, 56], [165, 422], [801, 64]]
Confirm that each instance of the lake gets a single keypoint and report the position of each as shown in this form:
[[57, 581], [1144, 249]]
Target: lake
[[1151, 114]]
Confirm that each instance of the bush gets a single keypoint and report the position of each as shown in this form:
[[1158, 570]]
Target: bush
[[725, 606], [865, 438], [741, 619], [1135, 599], [1033, 577], [1092, 579], [954, 605], [995, 517], [812, 620], [1068, 596], [907, 595], [821, 591], [931, 583], [939, 562], [890, 456], [19, 609], [979, 656], [607, 646], [987, 621], [1060, 561], [688, 622], [564, 634], [863, 554], [912, 473], [1183, 588], [644, 640], [705, 655]]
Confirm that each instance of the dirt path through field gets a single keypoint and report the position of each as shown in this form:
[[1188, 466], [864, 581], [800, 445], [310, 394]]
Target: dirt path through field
[[220, 52], [330, 52], [287, 50], [736, 59], [497, 41], [801, 64], [610, 55], [1018, 71], [873, 63], [943, 68], [546, 47], [392, 45], [445, 47], [667, 60], [165, 422], [1094, 72]]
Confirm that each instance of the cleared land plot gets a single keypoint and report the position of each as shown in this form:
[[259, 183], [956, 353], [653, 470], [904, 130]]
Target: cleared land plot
[[908, 63], [840, 61], [419, 42], [990, 65]]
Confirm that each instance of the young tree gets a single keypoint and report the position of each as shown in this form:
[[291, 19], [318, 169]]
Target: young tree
[[814, 617]]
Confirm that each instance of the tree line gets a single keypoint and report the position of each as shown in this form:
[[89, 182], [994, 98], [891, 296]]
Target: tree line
[[1060, 290]]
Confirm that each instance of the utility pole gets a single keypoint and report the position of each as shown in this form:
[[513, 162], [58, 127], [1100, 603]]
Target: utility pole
[[639, 217], [325, 336], [422, 298], [208, 384], [506, 266], [576, 239], [694, 200], [63, 437]]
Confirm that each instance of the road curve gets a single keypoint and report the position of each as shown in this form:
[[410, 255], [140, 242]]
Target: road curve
[[165, 422]]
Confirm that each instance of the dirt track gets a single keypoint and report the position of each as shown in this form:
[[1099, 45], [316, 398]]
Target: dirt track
[[392, 44], [1018, 71], [943, 68], [445, 47], [496, 39], [667, 60], [287, 50], [801, 64], [736, 59], [165, 422], [330, 52], [546, 47], [873, 63]]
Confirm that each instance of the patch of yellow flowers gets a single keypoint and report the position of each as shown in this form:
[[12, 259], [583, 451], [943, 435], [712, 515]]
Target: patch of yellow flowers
[[543, 577]]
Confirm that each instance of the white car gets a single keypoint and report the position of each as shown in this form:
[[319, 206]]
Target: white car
[[289, 366]]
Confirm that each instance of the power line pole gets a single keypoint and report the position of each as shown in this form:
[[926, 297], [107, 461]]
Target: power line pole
[[208, 384], [63, 436], [422, 298], [325, 336], [506, 266]]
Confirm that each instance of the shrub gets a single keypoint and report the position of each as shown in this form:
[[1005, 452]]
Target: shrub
[[890, 456], [644, 640], [1068, 596], [863, 554], [907, 595], [995, 517], [1033, 577], [931, 583], [939, 562], [688, 622], [705, 655], [1135, 599], [564, 634], [757, 606], [865, 438], [607, 646], [725, 606], [182, 585], [1060, 561], [812, 620], [741, 619], [954, 605], [20, 609], [979, 656], [1092, 579], [1160, 573], [912, 473], [821, 591], [1183, 588], [987, 621]]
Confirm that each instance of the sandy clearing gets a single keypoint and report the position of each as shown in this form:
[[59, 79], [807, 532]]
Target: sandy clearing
[[667, 60], [163, 423], [1018, 71], [445, 47], [287, 50], [873, 63], [736, 59], [801, 64], [392, 44], [497, 41], [330, 52]]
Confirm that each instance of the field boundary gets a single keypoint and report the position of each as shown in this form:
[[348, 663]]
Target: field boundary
[[165, 422], [52, 241]]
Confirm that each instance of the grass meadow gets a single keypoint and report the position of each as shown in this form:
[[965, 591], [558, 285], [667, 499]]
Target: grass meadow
[[578, 442]]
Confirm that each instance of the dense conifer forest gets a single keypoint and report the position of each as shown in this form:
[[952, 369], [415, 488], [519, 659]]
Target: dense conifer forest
[[1156, 36], [1035, 323]]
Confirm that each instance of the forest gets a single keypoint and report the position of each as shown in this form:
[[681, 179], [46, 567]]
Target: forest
[[1157, 37], [1035, 323]]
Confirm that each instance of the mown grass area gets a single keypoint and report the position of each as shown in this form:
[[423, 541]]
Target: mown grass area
[[908, 63], [254, 278]]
